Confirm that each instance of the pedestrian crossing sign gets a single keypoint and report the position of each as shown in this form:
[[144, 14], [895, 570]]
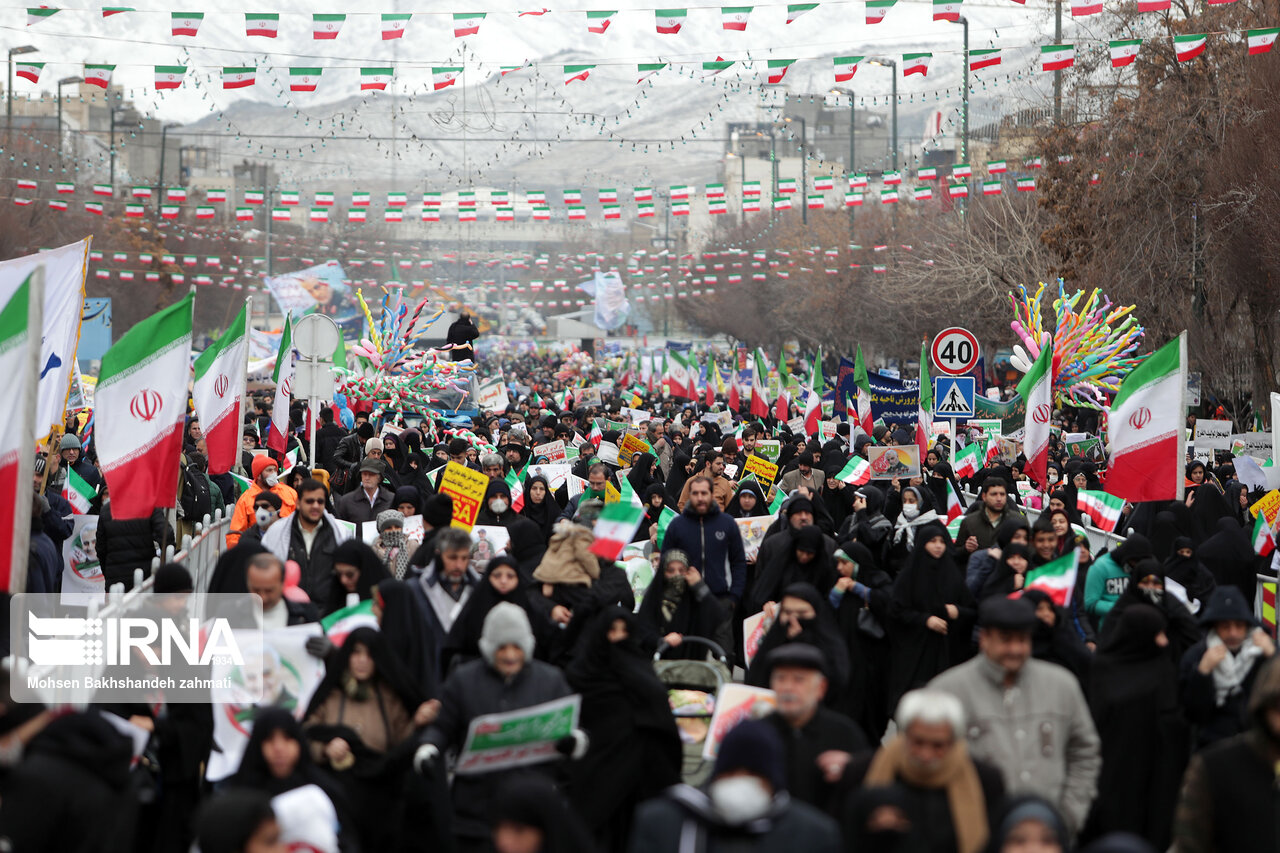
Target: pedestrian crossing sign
[[953, 396]]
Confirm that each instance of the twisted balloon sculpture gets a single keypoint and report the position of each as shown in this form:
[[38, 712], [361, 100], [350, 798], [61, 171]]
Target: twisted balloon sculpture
[[401, 377], [1093, 343]]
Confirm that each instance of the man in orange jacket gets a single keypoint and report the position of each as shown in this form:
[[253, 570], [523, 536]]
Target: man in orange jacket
[[266, 478]]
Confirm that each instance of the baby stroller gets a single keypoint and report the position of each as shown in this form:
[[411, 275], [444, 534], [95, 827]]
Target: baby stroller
[[691, 690]]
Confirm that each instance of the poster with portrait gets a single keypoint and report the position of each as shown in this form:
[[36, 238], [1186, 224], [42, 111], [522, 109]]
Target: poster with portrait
[[753, 530], [321, 289], [288, 678], [900, 462], [486, 543], [82, 580]]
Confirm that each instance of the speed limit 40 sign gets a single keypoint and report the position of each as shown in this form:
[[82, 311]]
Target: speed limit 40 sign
[[954, 351]]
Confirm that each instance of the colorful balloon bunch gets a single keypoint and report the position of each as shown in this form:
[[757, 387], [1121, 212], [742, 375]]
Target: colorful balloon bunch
[[1093, 343], [575, 367], [389, 347]]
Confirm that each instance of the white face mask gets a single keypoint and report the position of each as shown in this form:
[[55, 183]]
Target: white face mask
[[910, 511], [740, 799], [271, 480], [498, 506], [263, 516]]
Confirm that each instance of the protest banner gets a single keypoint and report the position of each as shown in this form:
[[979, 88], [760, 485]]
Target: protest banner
[[734, 703], [1255, 444], [467, 488], [1012, 414], [633, 444], [752, 633], [611, 493], [491, 395], [1081, 445], [553, 450], [731, 471], [985, 430], [753, 530], [1213, 435], [639, 571], [517, 738], [290, 675], [82, 579], [487, 542], [827, 430], [723, 420], [1007, 450], [770, 449], [320, 289], [796, 425], [1269, 506], [586, 397], [888, 463], [638, 417], [764, 470]]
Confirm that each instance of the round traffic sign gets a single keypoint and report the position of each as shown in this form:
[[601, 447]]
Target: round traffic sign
[[954, 351]]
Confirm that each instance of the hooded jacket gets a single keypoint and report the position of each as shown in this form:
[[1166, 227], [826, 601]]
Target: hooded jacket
[[714, 546], [284, 539]]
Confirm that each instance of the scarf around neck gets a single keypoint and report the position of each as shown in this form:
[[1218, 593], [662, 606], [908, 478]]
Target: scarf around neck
[[956, 774], [1232, 670]]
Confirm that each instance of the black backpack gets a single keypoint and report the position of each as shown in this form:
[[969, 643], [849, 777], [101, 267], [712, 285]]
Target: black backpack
[[196, 501]]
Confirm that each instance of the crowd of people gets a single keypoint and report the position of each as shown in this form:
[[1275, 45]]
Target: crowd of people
[[921, 699]]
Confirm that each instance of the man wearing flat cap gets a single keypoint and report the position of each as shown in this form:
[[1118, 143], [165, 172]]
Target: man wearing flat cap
[[817, 742], [1026, 716]]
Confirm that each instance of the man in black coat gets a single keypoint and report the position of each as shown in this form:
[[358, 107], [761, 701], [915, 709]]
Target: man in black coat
[[364, 503], [461, 333], [327, 439], [818, 742]]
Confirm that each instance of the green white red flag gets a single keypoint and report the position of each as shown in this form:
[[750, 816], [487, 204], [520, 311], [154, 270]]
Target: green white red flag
[[219, 391], [924, 411], [1104, 510], [278, 432], [1145, 433], [1056, 579], [955, 509], [615, 528], [1037, 389], [681, 375], [759, 376], [338, 624], [863, 384], [140, 406], [77, 492], [1264, 538], [856, 472], [969, 460], [20, 365]]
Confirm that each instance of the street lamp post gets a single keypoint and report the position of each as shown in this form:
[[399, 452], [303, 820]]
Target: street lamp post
[[65, 81], [804, 169], [853, 124], [8, 93], [164, 132], [964, 91]]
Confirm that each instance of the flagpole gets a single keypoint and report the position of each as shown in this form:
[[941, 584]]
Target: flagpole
[[237, 464], [1182, 411], [18, 557]]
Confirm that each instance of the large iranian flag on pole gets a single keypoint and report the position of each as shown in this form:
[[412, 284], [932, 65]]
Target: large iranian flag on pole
[[1104, 510], [782, 404], [20, 365], [860, 379], [924, 411], [1037, 389], [278, 433], [615, 528], [221, 372], [1145, 433], [140, 404], [759, 376], [681, 378], [1056, 579]]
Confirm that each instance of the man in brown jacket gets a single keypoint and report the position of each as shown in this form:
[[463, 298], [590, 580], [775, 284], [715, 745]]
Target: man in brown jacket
[[721, 486]]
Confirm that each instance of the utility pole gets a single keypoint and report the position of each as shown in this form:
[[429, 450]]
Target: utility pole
[[964, 116], [164, 132], [1057, 74]]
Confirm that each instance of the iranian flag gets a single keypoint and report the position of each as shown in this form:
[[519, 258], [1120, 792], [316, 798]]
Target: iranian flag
[[856, 472], [325, 26], [574, 73], [442, 76], [1037, 389], [261, 24], [340, 623], [238, 76], [281, 214], [646, 70], [375, 78], [777, 69], [1145, 430], [924, 408], [515, 483], [615, 529], [735, 17], [1261, 41], [169, 76], [399, 199], [1055, 57], [19, 361], [1124, 52], [98, 75], [29, 70], [1154, 5], [946, 10], [393, 24], [290, 197], [575, 211], [598, 22], [324, 198], [669, 21], [877, 9], [467, 23], [984, 58], [1190, 46], [969, 460], [955, 509], [863, 384], [922, 193], [1103, 509], [1264, 538], [627, 493], [277, 432], [795, 10], [140, 404], [824, 183], [786, 185], [572, 196], [77, 492], [304, 79], [209, 195], [204, 212], [186, 23], [1081, 8], [681, 191], [992, 187], [759, 376], [607, 195], [846, 67], [1026, 185], [39, 13], [782, 404], [1056, 579], [682, 371], [916, 63], [665, 518], [218, 391]]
